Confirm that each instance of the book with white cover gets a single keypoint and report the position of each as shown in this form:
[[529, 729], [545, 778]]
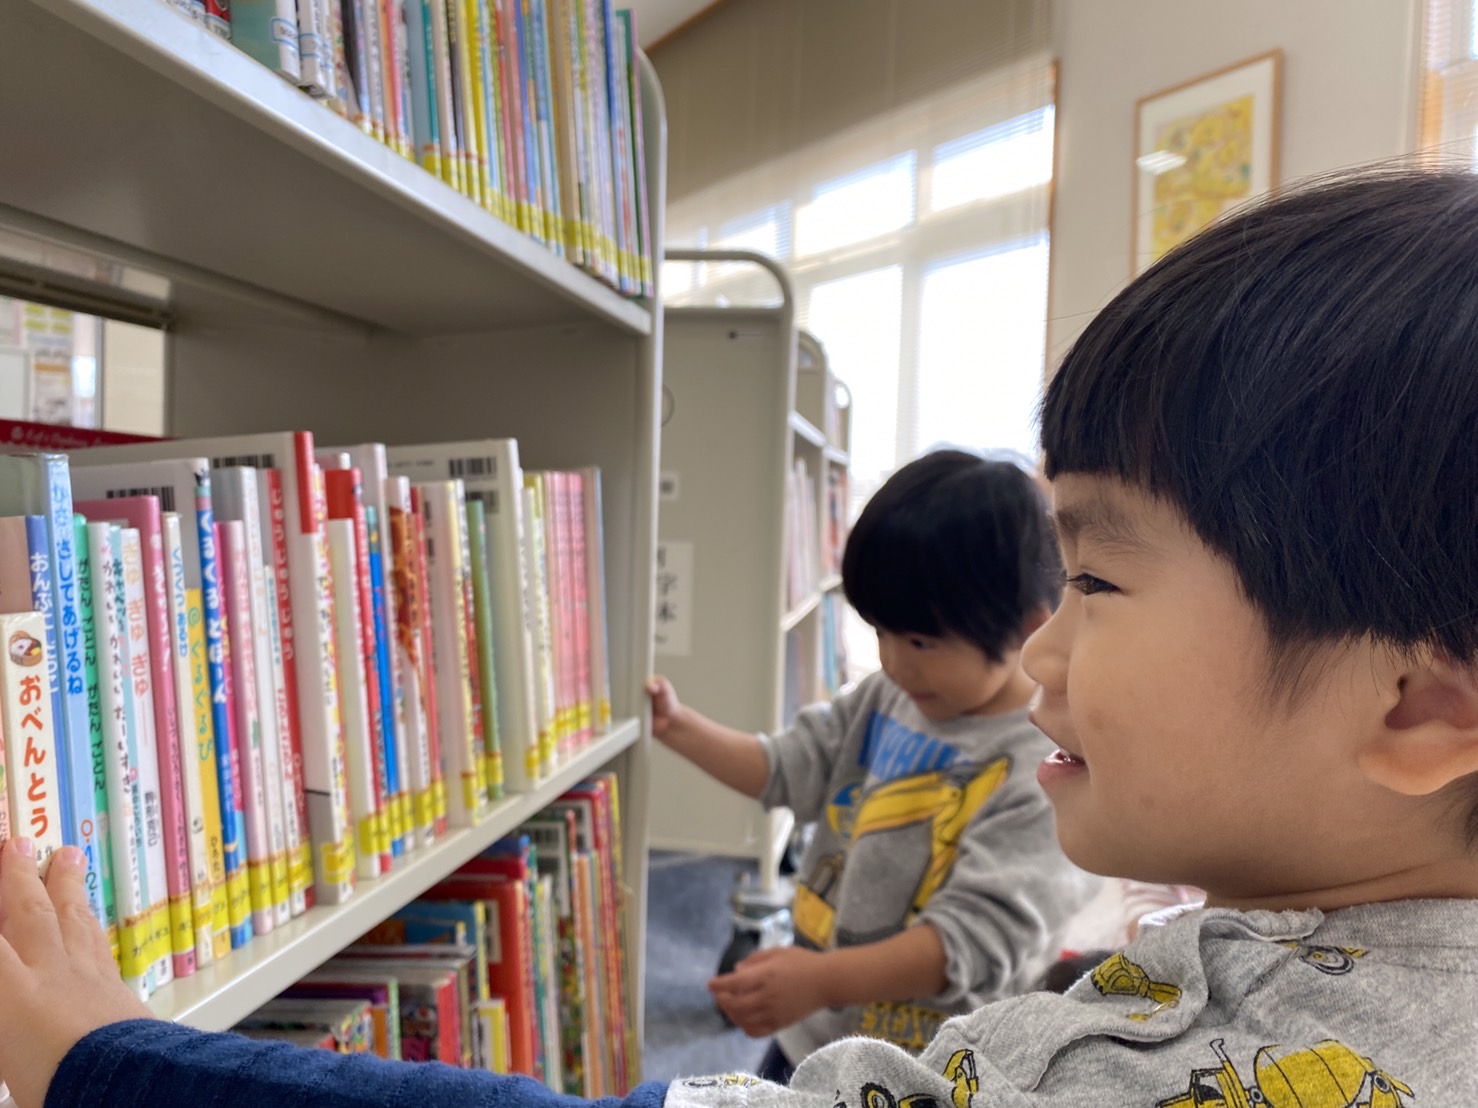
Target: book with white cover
[[490, 471]]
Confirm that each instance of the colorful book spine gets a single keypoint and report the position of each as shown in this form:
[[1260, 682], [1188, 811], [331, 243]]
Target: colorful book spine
[[102, 853], [267, 30], [273, 514], [145, 833], [363, 799], [125, 826], [40, 484], [397, 806], [536, 589], [142, 513], [247, 741], [595, 600], [482, 610], [207, 869], [425, 109], [445, 514], [236, 493], [345, 492], [138, 674], [32, 775], [210, 790], [467, 70], [450, 163], [428, 640], [411, 649]]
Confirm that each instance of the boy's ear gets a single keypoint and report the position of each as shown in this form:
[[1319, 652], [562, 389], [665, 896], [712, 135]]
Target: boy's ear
[[1430, 737]]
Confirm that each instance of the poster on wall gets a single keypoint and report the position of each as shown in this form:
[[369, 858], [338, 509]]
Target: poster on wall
[[1203, 147], [50, 337]]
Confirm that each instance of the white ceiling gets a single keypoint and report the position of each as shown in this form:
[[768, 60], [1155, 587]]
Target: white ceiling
[[657, 18]]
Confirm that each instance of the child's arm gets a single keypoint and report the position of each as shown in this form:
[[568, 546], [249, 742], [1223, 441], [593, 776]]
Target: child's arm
[[778, 987], [735, 758]]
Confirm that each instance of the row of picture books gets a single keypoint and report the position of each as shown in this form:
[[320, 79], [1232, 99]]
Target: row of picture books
[[531, 108], [246, 673], [834, 676], [513, 963]]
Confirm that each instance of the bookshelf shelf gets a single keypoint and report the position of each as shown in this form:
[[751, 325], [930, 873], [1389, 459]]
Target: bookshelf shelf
[[831, 583], [836, 456], [220, 995], [797, 615], [153, 103], [806, 430]]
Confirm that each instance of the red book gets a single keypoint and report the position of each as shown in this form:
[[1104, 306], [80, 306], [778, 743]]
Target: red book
[[511, 973]]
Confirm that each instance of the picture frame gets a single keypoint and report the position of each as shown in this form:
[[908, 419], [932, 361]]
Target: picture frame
[[1201, 148]]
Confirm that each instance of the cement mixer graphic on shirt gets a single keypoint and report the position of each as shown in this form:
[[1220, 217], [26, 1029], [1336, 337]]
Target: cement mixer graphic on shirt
[[1328, 1075]]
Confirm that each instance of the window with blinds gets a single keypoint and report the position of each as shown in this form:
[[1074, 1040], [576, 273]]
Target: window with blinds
[[1450, 98]]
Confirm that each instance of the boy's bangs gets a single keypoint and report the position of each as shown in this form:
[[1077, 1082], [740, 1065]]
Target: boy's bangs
[[889, 585]]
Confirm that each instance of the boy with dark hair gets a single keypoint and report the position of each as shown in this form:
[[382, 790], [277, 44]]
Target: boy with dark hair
[[933, 882], [1263, 682]]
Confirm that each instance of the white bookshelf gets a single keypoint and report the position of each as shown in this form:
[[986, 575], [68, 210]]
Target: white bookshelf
[[308, 277], [746, 401]]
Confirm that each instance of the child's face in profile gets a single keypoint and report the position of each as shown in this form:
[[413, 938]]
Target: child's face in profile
[[1179, 764], [947, 676]]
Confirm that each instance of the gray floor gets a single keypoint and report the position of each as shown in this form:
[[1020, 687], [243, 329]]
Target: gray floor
[[687, 929]]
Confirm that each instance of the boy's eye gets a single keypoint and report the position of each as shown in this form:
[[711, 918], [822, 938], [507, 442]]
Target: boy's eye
[[919, 643], [1087, 584]]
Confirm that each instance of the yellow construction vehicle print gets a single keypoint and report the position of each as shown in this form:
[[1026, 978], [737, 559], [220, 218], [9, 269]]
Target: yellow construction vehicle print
[[1333, 960], [1328, 1075], [946, 800], [960, 1071], [1118, 976]]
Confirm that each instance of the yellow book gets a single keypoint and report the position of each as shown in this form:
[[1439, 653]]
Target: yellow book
[[220, 918], [473, 52]]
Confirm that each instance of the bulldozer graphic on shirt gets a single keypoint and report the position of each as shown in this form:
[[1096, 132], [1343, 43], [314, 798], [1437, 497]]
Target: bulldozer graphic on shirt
[[945, 800], [1328, 1075]]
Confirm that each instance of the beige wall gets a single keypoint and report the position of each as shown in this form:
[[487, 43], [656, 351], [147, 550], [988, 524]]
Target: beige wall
[[1350, 77], [757, 79]]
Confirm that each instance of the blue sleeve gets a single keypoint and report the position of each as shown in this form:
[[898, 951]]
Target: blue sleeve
[[155, 1064]]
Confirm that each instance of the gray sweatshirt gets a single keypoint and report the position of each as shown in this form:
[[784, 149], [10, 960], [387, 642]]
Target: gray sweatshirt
[[1369, 1007], [922, 822]]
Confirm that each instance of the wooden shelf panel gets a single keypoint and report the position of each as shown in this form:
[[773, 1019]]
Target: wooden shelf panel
[[180, 146], [222, 994]]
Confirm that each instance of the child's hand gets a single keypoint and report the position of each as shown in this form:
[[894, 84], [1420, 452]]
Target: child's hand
[[772, 989], [57, 975], [665, 705]]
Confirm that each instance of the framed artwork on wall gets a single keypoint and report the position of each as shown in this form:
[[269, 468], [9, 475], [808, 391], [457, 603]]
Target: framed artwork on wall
[[1201, 148]]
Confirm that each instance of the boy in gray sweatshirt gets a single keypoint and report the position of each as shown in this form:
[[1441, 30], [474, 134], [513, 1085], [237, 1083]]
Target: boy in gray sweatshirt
[[933, 882], [1263, 682]]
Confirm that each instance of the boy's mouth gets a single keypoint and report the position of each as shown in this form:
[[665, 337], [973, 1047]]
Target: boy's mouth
[[1063, 758]]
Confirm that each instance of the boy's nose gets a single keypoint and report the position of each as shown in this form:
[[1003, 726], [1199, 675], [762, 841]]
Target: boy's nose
[[1044, 657]]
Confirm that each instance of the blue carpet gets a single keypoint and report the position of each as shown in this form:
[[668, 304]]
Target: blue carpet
[[688, 927]]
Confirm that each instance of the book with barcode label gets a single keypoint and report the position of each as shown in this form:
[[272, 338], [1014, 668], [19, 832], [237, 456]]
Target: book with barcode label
[[490, 472]]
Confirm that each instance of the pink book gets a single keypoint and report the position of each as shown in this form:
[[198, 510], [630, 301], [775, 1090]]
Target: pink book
[[589, 703], [274, 526], [143, 514]]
